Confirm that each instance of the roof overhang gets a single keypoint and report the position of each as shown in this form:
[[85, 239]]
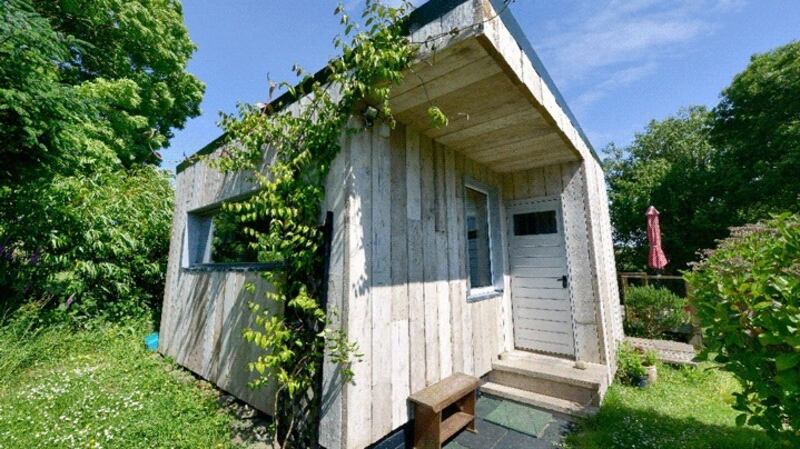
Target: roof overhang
[[479, 69], [476, 64]]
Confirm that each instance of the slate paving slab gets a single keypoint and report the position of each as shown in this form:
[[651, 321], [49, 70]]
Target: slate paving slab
[[487, 436], [502, 434], [485, 405], [516, 440]]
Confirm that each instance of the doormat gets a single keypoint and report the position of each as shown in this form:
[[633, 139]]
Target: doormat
[[486, 405], [527, 420]]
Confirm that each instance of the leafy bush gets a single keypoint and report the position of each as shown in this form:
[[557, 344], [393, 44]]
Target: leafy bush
[[652, 311], [89, 93], [92, 245], [649, 358], [629, 364], [747, 296]]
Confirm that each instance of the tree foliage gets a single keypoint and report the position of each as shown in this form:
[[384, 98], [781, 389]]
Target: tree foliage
[[708, 170], [747, 296], [92, 245], [670, 166], [85, 82], [89, 92], [757, 131]]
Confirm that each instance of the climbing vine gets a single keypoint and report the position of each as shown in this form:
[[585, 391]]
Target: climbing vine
[[299, 137]]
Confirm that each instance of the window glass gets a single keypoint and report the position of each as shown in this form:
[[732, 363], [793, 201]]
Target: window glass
[[478, 248], [534, 223], [220, 237]]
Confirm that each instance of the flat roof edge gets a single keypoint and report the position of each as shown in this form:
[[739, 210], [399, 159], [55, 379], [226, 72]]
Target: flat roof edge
[[522, 40], [418, 18]]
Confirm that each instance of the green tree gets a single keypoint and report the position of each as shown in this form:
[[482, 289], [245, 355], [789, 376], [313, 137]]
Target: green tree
[[90, 245], [757, 131], [90, 91], [669, 166], [708, 170], [83, 82]]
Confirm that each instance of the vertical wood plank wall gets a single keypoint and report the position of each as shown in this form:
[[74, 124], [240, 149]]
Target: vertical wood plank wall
[[204, 312], [404, 281]]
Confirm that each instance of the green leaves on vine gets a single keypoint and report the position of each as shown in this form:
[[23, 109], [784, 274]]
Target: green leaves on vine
[[437, 117], [297, 142]]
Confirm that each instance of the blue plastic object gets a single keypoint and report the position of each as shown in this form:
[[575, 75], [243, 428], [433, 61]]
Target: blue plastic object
[[151, 341]]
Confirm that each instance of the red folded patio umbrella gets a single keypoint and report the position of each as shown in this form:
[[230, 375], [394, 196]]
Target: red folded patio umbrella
[[656, 260]]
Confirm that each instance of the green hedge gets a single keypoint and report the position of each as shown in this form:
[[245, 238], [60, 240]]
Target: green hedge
[[650, 311], [89, 246], [747, 296]]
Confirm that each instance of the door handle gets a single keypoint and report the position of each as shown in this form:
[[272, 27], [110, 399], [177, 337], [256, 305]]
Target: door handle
[[563, 280]]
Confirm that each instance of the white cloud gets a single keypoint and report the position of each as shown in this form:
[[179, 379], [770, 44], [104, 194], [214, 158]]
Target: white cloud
[[595, 49], [617, 80], [619, 32]]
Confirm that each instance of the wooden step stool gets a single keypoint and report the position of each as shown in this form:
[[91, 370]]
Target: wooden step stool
[[430, 430]]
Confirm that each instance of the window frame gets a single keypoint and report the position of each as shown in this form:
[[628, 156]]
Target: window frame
[[493, 219], [197, 238], [556, 228]]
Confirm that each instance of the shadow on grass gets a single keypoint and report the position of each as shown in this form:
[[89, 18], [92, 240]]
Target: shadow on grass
[[620, 427]]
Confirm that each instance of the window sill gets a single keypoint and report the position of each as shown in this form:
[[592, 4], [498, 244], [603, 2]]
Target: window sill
[[232, 267], [484, 295]]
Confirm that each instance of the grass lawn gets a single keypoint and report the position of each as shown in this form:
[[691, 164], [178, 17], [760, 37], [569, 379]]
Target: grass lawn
[[100, 389], [688, 408]]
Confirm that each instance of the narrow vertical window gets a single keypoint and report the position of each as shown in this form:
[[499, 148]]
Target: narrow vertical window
[[479, 258]]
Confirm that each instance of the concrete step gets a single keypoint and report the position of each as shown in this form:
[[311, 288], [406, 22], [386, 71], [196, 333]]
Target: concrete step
[[591, 375], [564, 408], [551, 376]]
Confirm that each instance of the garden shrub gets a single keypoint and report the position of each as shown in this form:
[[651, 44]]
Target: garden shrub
[[649, 358], [747, 296], [89, 245], [629, 364], [653, 311]]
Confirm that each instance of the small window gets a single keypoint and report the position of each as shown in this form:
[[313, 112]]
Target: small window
[[534, 223], [218, 237], [479, 257], [230, 242]]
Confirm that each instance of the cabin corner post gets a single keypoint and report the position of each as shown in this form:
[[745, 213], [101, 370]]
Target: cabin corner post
[[174, 261], [601, 239], [595, 238], [586, 330], [333, 413]]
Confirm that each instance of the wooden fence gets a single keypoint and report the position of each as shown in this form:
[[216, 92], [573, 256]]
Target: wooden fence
[[676, 284]]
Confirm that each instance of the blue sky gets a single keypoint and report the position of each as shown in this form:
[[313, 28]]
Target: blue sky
[[618, 63]]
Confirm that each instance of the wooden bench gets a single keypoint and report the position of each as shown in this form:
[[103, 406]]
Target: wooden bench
[[435, 421]]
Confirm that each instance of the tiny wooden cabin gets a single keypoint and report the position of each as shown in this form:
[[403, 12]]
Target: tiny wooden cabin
[[483, 247]]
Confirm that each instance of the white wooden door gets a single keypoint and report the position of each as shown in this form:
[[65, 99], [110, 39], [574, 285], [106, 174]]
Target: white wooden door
[[540, 297]]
